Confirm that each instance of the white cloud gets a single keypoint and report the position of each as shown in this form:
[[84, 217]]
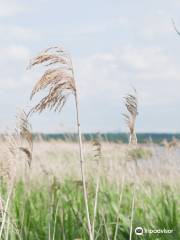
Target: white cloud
[[15, 33], [109, 75], [93, 28], [17, 53], [13, 62], [103, 75], [10, 8], [153, 28]]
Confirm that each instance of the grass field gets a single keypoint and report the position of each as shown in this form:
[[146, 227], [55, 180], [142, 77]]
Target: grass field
[[139, 187]]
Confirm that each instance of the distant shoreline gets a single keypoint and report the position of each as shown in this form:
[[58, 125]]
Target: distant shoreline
[[111, 137]]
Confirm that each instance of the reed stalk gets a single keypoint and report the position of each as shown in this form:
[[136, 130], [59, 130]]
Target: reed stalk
[[61, 82]]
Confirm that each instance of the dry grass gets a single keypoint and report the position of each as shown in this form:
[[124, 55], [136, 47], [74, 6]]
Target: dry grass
[[16, 149], [59, 79], [61, 159], [131, 103], [25, 132]]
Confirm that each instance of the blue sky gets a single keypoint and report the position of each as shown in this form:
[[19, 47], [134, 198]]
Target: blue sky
[[114, 45]]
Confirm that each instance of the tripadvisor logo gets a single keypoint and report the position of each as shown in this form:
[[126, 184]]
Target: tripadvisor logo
[[140, 231]]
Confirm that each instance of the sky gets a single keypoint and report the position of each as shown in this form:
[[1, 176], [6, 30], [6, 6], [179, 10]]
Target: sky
[[115, 45]]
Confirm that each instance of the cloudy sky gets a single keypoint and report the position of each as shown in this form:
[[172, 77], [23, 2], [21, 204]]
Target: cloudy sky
[[114, 45]]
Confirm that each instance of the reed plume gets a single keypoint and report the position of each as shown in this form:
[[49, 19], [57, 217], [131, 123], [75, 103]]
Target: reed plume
[[59, 80], [97, 148], [25, 133], [131, 103], [20, 140]]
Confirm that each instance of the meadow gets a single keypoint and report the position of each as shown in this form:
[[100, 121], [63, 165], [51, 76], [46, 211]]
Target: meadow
[[139, 186]]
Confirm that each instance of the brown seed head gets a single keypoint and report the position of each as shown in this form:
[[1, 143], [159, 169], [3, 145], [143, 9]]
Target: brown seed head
[[59, 79]]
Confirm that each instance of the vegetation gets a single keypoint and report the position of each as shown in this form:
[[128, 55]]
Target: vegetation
[[139, 153], [46, 194], [56, 211]]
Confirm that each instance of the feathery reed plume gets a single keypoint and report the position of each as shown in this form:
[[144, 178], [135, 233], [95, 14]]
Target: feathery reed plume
[[131, 103], [170, 144], [25, 133], [97, 148], [59, 79], [20, 140]]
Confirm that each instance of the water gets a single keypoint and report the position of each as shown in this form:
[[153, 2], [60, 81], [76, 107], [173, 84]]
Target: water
[[113, 137]]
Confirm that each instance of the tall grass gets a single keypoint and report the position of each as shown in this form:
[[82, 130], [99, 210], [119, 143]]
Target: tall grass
[[60, 80], [56, 212], [19, 141]]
